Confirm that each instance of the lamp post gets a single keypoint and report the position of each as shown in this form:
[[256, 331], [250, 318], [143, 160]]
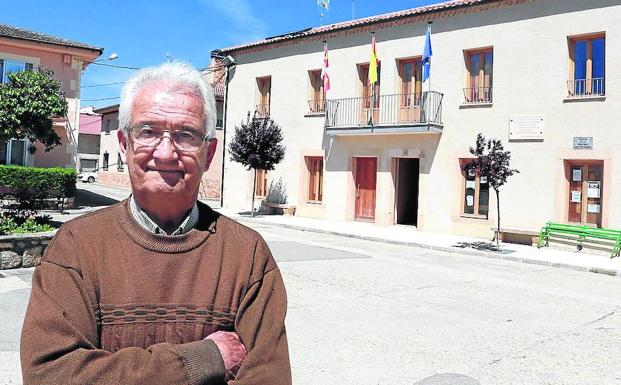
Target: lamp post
[[229, 62]]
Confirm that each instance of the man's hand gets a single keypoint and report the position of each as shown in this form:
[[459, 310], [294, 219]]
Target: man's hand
[[232, 350]]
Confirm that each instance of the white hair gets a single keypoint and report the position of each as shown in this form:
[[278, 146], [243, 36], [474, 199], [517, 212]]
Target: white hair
[[174, 74]]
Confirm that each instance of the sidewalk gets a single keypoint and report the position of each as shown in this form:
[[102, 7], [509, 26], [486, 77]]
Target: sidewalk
[[407, 235]]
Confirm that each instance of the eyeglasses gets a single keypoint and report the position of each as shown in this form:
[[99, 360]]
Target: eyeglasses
[[183, 140]]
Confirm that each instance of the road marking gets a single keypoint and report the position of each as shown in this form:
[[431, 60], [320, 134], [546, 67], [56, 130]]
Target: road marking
[[12, 283]]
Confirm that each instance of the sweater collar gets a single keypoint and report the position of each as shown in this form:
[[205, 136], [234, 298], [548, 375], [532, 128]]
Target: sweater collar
[[164, 243]]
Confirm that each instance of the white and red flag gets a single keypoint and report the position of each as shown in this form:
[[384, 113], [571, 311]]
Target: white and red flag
[[324, 69]]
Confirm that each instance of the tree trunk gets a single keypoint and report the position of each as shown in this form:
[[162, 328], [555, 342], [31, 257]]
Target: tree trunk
[[254, 189], [498, 215]]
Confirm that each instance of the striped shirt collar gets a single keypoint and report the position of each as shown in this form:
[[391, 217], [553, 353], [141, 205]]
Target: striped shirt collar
[[147, 223]]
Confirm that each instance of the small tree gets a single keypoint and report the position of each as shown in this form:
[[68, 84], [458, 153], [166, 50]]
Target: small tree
[[27, 104], [257, 145], [492, 163]]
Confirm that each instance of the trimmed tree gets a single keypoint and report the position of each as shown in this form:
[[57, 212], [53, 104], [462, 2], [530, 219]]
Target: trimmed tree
[[257, 145], [27, 104], [491, 162]]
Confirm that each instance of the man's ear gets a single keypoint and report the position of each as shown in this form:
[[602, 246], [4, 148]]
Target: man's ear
[[211, 151], [122, 144]]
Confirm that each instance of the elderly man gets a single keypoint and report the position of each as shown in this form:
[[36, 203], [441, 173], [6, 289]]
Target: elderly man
[[158, 289]]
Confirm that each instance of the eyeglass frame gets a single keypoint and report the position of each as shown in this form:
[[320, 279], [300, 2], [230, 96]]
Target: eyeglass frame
[[130, 128]]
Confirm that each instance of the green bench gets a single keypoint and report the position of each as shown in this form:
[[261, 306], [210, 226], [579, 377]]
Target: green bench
[[600, 238]]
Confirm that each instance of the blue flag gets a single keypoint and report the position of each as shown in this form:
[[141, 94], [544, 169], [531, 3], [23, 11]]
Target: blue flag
[[427, 53]]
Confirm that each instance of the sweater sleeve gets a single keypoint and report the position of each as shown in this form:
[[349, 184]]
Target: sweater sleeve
[[260, 324], [60, 339]]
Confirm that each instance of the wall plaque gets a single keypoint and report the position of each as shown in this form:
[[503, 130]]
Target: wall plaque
[[583, 142], [526, 127]]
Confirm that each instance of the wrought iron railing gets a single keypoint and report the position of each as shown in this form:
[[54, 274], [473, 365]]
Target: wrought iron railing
[[580, 88], [317, 106], [396, 109], [477, 95], [262, 111]]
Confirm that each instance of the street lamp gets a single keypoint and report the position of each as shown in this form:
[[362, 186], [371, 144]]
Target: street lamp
[[228, 61], [113, 56]]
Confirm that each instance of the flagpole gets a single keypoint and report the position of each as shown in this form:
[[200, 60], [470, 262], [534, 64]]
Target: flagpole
[[429, 80], [372, 106]]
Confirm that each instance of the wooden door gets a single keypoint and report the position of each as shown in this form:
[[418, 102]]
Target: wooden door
[[365, 179], [585, 193]]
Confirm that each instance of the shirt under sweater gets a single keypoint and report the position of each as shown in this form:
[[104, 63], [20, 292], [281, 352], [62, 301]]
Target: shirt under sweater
[[112, 303]]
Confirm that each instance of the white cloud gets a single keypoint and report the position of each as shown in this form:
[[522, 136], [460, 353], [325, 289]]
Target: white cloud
[[246, 25]]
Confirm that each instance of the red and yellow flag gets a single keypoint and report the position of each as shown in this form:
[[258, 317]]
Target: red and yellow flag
[[373, 63]]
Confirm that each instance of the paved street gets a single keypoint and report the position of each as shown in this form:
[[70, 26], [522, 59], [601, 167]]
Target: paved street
[[363, 312]]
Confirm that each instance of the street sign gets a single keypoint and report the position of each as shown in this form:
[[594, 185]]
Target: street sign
[[583, 142]]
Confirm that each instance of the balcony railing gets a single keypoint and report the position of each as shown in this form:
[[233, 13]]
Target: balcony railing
[[584, 88], [478, 95], [388, 110], [262, 111], [317, 106]]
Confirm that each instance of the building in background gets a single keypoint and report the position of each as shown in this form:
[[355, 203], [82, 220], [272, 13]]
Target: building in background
[[20, 50], [88, 140], [113, 172], [540, 75]]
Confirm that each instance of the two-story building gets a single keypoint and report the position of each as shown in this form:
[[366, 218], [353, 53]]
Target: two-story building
[[22, 49], [540, 75]]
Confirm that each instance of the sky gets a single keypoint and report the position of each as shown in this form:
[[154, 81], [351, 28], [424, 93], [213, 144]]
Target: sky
[[149, 32]]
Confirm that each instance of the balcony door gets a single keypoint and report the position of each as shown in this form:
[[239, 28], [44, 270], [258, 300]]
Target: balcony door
[[365, 180], [585, 181], [370, 101], [410, 73]]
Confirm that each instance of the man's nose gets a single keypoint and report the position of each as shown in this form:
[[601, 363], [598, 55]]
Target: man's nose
[[165, 150]]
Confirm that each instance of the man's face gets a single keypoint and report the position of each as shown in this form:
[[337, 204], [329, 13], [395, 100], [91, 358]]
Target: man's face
[[164, 175]]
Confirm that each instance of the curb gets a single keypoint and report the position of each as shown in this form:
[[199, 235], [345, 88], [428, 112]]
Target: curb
[[446, 249]]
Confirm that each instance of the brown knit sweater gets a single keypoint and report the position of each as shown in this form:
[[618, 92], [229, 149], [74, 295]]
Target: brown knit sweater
[[114, 304]]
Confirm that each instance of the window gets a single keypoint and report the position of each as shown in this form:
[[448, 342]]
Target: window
[[264, 88], [479, 66], [107, 127], [119, 162], [13, 152], [317, 102], [88, 165], [314, 165], [9, 66], [370, 101], [476, 194], [106, 160], [411, 79], [261, 184], [587, 66], [368, 91]]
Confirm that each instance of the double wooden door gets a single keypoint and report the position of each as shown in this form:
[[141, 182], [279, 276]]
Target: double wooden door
[[365, 179]]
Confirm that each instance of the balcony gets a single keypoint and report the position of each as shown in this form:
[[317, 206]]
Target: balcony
[[317, 106], [262, 111], [478, 95], [398, 113], [585, 88]]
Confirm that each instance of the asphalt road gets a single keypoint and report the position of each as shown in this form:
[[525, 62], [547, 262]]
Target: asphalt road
[[364, 312]]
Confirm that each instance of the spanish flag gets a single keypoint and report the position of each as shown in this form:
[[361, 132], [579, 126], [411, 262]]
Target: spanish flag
[[373, 63]]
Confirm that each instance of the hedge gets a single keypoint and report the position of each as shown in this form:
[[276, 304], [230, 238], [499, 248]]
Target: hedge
[[42, 182]]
